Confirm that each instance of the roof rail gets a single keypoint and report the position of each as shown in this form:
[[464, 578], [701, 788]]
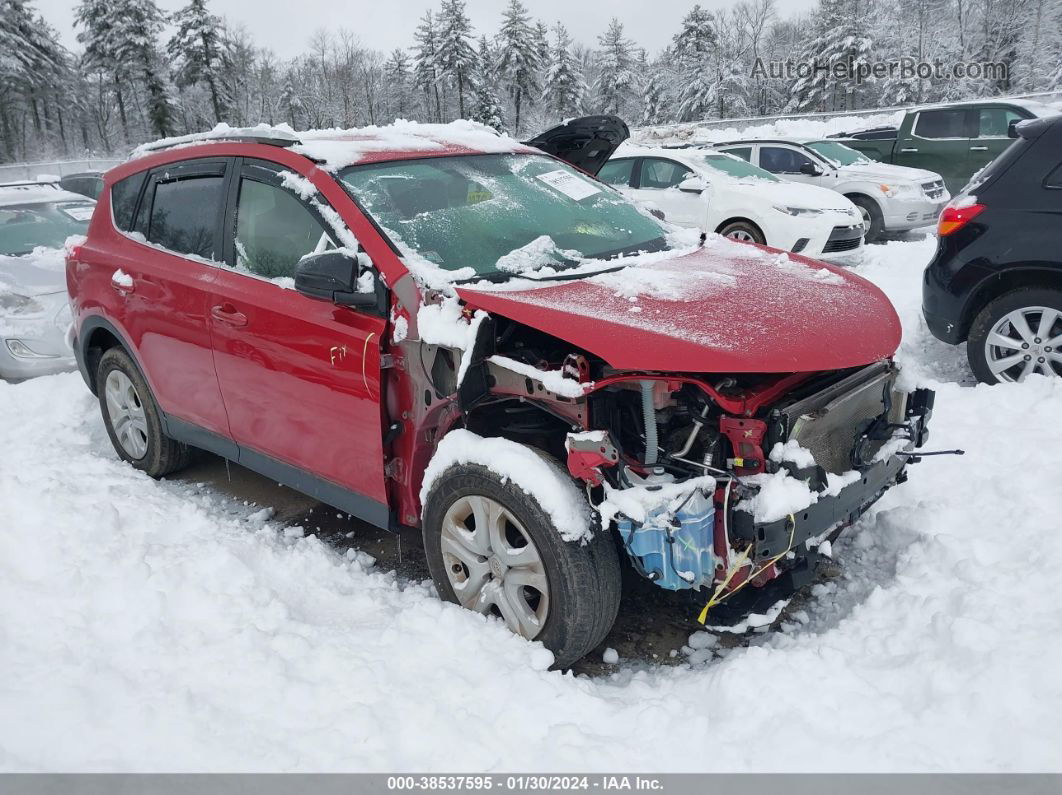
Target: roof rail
[[248, 135]]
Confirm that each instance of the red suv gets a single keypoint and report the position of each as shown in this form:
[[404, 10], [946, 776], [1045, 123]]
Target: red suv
[[433, 326]]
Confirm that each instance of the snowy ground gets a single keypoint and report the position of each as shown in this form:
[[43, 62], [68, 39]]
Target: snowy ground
[[156, 626]]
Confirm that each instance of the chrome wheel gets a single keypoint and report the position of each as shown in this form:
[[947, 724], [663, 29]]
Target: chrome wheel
[[865, 215], [1024, 342], [493, 566], [126, 413]]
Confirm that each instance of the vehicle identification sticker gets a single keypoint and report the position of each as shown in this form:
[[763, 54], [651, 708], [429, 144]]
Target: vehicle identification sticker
[[569, 184], [79, 212]]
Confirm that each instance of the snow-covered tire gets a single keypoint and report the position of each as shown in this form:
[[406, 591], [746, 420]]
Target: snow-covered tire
[[745, 231], [583, 579], [1042, 356], [873, 221], [160, 455]]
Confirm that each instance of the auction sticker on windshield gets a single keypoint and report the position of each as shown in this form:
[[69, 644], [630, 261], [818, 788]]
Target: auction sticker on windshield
[[569, 184], [79, 212]]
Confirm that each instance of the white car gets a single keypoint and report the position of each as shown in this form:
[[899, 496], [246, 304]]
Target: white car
[[35, 220], [717, 192], [890, 198]]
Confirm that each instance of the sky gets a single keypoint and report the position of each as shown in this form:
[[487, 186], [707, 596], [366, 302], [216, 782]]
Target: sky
[[286, 27]]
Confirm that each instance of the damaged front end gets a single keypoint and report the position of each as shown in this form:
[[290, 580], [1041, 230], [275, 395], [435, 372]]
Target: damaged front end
[[729, 487]]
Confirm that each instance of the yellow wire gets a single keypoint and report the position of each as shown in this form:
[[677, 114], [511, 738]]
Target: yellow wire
[[716, 599]]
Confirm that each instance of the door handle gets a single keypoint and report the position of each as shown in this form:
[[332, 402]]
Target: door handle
[[226, 313], [978, 148], [908, 149]]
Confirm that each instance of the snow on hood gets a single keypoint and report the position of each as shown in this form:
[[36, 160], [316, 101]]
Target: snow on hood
[[726, 307], [873, 171], [41, 272], [791, 194]]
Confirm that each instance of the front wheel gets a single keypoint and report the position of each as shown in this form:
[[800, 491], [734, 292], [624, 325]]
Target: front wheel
[[1016, 335], [492, 549], [873, 221], [744, 231]]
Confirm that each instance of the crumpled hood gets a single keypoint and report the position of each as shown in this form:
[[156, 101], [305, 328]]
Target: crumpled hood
[[39, 273], [728, 307], [887, 171]]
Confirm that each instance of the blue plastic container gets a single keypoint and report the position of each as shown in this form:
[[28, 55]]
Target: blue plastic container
[[680, 554]]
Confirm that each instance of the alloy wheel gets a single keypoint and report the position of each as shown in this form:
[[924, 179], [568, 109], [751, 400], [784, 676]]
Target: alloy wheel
[[741, 234], [864, 213], [1024, 342], [493, 565], [126, 412]]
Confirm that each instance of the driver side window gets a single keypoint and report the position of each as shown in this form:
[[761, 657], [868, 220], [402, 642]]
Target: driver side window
[[779, 160], [274, 230], [659, 173]]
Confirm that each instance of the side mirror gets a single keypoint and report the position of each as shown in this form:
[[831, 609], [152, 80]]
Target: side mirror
[[332, 276], [1012, 128], [693, 185], [811, 169]]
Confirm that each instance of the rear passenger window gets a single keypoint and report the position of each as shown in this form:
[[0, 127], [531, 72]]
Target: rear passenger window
[[274, 230], [744, 152], [942, 124], [185, 214], [658, 173], [124, 194], [616, 172]]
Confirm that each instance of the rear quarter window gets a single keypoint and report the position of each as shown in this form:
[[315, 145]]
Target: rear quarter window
[[124, 195]]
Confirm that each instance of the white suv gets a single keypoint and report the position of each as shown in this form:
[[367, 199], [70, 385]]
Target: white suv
[[890, 198], [716, 192]]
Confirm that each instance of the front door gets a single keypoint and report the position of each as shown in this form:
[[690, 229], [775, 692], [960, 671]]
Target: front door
[[300, 376], [657, 182]]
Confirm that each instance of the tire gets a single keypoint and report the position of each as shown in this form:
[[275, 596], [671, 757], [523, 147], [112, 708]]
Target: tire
[[873, 221], [1036, 305], [744, 231], [582, 580], [132, 418]]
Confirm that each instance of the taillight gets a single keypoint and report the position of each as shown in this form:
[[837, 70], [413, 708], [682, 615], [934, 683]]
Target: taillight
[[953, 218]]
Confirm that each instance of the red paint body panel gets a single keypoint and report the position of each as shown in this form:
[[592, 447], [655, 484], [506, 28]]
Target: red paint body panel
[[738, 312], [301, 380]]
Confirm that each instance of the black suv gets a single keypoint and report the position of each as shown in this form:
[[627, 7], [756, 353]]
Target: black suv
[[996, 279]]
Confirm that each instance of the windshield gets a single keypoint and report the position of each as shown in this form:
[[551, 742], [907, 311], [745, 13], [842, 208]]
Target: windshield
[[735, 167], [24, 227], [839, 153], [470, 211]]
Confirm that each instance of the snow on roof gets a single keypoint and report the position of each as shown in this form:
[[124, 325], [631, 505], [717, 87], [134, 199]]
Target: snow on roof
[[36, 193], [337, 148]]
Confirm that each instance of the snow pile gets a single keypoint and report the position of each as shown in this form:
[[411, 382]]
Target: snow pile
[[796, 129], [553, 380], [546, 482], [535, 256], [445, 324]]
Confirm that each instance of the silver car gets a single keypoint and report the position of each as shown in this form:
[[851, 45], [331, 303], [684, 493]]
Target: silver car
[[35, 221]]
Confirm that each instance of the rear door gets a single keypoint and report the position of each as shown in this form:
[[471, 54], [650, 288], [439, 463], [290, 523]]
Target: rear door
[[657, 180], [167, 262], [300, 376], [787, 162]]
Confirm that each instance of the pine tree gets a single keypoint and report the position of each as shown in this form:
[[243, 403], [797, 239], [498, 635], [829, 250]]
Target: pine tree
[[101, 41], [137, 26], [518, 61], [485, 107], [396, 77], [840, 39], [616, 82], [563, 84], [456, 57], [197, 51], [426, 61], [656, 94], [695, 48]]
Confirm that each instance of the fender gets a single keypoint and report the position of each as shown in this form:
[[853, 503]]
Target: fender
[[89, 325]]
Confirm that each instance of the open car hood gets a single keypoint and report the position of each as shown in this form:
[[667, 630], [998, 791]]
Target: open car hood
[[728, 307], [586, 142]]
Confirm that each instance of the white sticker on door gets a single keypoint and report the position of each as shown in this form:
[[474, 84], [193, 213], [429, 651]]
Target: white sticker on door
[[569, 184]]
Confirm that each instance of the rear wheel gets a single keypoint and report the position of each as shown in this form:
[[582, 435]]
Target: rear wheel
[[492, 549], [873, 221], [743, 231], [133, 420], [1017, 335]]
